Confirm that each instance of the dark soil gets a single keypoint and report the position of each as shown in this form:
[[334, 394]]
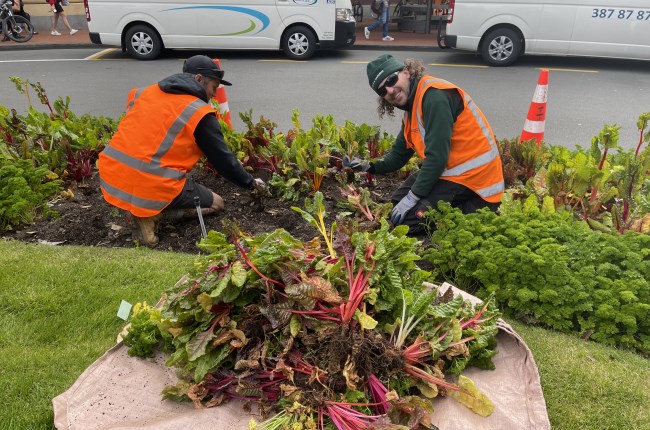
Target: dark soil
[[86, 219]]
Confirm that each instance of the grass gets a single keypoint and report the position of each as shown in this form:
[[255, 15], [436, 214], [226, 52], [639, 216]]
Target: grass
[[58, 314], [58, 309]]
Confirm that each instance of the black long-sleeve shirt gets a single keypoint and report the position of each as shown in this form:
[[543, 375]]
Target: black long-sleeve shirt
[[207, 134]]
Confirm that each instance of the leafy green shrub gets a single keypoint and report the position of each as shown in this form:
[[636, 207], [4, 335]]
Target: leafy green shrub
[[549, 269], [23, 191]]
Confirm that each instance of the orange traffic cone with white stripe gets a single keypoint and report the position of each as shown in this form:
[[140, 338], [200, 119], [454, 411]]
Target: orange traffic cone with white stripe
[[536, 119], [222, 100]]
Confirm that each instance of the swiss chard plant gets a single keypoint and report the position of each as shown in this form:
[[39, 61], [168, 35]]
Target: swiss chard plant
[[341, 336], [605, 186], [59, 140]]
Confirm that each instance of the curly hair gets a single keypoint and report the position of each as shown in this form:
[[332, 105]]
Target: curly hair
[[416, 70]]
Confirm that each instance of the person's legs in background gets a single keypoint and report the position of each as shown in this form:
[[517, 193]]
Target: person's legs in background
[[381, 19], [67, 25], [385, 17], [55, 20], [55, 23]]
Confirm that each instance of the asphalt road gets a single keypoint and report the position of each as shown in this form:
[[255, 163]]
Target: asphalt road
[[584, 94]]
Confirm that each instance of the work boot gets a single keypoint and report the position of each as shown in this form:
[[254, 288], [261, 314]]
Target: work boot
[[173, 215], [144, 229]]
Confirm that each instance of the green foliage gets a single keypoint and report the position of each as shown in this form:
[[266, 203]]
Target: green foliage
[[547, 269], [606, 186], [59, 140], [361, 203], [520, 160], [144, 335], [314, 213], [269, 310], [38, 148], [24, 189]]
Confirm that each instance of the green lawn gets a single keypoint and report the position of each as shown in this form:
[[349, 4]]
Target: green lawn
[[58, 309]]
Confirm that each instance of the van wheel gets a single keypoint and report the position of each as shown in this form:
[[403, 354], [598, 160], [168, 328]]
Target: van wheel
[[143, 42], [501, 47], [299, 43]]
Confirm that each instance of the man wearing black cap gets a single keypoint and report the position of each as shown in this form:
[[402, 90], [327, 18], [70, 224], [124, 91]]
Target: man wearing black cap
[[448, 132], [167, 128]]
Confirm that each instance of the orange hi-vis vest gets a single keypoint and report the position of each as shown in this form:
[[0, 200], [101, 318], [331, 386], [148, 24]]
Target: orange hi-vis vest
[[144, 166], [474, 159]]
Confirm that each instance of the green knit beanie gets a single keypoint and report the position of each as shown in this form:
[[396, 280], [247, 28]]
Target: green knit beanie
[[380, 68]]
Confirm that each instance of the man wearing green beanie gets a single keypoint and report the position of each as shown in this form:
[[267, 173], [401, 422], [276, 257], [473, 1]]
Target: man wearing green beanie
[[460, 162]]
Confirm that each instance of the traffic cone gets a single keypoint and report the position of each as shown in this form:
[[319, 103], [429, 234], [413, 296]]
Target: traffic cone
[[222, 100], [534, 125]]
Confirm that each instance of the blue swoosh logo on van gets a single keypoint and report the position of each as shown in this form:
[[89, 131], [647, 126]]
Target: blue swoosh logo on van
[[254, 13]]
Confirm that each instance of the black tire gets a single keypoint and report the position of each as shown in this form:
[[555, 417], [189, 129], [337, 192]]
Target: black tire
[[143, 42], [299, 43], [18, 28], [501, 47], [358, 12]]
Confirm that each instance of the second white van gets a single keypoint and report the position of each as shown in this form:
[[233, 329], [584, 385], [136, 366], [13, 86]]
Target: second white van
[[501, 31], [144, 28]]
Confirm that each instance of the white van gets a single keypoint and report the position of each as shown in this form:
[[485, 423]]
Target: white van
[[145, 27], [501, 31]]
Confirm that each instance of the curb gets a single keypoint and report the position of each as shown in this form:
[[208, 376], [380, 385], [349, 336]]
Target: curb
[[18, 47]]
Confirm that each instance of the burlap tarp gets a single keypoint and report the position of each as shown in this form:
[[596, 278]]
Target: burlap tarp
[[122, 392]]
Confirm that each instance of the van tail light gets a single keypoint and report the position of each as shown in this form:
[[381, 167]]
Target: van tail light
[[450, 11], [87, 10]]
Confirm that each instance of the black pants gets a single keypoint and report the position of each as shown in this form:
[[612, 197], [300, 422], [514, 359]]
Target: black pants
[[190, 190], [459, 196]]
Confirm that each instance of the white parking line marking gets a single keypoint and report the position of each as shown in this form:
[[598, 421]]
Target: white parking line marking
[[42, 61]]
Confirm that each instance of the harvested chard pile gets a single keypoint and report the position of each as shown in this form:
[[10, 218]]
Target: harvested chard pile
[[347, 338]]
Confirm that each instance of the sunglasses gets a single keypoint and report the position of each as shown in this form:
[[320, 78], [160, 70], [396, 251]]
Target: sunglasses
[[391, 80]]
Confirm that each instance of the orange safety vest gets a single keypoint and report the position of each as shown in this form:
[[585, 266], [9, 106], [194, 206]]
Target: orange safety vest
[[474, 159], [144, 166]]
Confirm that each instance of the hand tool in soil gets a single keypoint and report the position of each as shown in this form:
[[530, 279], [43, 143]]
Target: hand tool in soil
[[197, 203]]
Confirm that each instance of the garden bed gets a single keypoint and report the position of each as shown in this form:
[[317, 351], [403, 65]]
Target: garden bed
[[86, 219]]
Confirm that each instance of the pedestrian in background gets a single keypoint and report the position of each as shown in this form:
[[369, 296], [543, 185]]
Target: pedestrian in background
[[57, 10], [449, 133], [382, 19]]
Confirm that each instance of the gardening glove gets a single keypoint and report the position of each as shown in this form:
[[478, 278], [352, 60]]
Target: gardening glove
[[260, 185], [356, 164], [401, 209]]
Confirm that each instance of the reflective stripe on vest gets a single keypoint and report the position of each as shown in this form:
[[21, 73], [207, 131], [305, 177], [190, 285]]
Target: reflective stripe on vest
[[482, 159], [131, 101], [153, 167], [131, 199], [478, 161]]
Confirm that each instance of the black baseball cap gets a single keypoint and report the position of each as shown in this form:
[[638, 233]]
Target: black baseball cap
[[205, 66]]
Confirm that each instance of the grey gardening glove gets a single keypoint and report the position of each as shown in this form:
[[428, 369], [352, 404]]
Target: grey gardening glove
[[260, 185], [401, 209], [356, 164]]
